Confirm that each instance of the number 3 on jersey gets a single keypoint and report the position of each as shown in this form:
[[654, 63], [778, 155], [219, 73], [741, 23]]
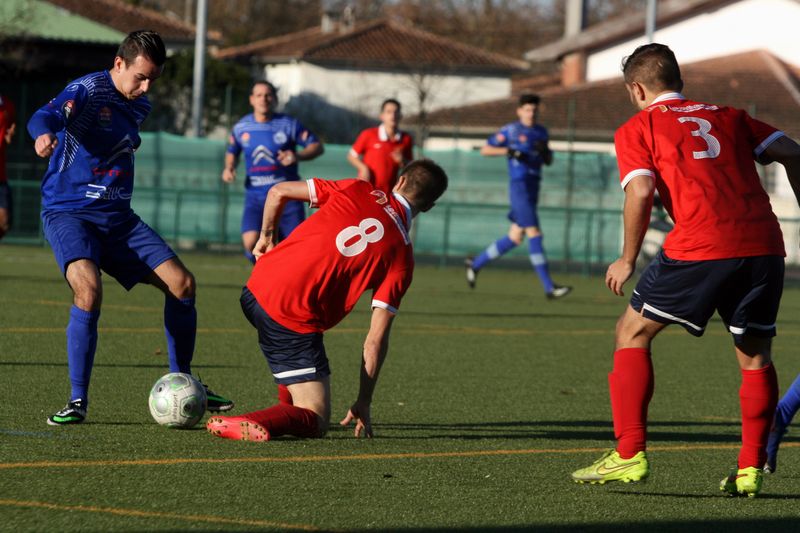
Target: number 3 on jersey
[[368, 230], [703, 127]]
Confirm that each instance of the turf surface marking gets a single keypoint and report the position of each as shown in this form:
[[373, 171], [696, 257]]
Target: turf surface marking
[[154, 514], [358, 457]]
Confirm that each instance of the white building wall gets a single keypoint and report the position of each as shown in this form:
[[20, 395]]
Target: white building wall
[[770, 25], [363, 91]]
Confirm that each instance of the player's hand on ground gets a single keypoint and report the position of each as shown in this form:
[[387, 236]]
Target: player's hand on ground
[[228, 175], [617, 274], [287, 157], [359, 413], [45, 144]]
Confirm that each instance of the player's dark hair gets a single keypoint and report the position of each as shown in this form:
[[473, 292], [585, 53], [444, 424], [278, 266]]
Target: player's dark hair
[[390, 101], [654, 66], [145, 43], [269, 85], [529, 98], [425, 182]]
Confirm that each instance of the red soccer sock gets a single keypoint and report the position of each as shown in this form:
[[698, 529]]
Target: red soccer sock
[[284, 396], [285, 419], [631, 387], [758, 397]]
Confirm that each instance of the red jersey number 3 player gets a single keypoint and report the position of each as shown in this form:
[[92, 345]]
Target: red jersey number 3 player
[[724, 255], [357, 241]]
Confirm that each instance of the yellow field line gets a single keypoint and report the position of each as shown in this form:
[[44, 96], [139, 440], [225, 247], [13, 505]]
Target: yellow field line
[[155, 514], [357, 457]]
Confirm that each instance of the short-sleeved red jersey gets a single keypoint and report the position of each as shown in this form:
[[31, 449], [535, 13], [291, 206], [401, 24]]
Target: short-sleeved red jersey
[[702, 159], [358, 240], [382, 155], [7, 118]]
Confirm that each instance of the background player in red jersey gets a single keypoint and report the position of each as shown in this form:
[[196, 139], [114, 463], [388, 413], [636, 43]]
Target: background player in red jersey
[[7, 128], [379, 153], [725, 254], [358, 240]]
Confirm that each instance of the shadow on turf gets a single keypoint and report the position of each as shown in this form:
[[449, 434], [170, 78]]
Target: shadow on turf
[[548, 429], [775, 525], [110, 365]]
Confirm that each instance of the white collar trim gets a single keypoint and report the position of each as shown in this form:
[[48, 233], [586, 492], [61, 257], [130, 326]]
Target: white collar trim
[[400, 198], [668, 96], [384, 136]]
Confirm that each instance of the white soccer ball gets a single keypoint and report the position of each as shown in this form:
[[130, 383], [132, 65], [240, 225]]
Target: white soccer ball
[[178, 400]]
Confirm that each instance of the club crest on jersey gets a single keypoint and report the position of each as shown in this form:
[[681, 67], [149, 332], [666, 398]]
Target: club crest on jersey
[[104, 117], [500, 137], [279, 137], [380, 196], [67, 107], [523, 138], [245, 138]]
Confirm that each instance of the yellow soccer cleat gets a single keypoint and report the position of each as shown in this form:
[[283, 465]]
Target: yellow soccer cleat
[[742, 482], [612, 467]]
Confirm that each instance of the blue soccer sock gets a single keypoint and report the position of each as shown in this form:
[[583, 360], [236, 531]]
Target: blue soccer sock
[[539, 262], [180, 327], [495, 250], [789, 404], [250, 257], [81, 347]]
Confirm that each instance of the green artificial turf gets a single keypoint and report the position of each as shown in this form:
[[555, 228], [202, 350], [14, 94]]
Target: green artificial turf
[[488, 400]]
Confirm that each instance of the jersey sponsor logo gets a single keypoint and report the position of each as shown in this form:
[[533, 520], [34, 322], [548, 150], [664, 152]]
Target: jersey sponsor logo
[[690, 108], [279, 137], [124, 146], [67, 107], [380, 197], [261, 181], [262, 153], [101, 192], [104, 117]]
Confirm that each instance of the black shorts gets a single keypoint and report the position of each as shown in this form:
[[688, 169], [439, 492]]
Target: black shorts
[[292, 357], [746, 292]]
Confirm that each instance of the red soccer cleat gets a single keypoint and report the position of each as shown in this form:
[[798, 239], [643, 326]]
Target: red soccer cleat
[[237, 428]]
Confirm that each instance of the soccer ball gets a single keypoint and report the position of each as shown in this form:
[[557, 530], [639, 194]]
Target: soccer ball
[[178, 400]]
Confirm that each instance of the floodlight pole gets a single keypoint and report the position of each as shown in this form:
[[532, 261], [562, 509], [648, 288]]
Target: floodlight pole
[[650, 20], [199, 67]]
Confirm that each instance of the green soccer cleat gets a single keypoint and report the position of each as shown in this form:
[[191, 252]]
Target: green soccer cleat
[[612, 467], [73, 413], [742, 482]]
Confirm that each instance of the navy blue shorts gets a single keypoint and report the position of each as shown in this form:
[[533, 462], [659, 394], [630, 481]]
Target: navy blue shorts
[[252, 216], [292, 357], [745, 291], [127, 249], [523, 196], [5, 196]]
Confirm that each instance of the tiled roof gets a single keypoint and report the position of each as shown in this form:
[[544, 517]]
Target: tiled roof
[[126, 18], [620, 27], [376, 44], [755, 81], [52, 23]]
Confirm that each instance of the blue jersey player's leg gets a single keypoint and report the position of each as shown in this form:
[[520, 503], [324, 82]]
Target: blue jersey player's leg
[[784, 413]]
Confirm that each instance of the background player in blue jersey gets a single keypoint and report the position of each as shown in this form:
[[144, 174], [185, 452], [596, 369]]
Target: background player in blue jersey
[[525, 144], [269, 141], [89, 132], [784, 413]]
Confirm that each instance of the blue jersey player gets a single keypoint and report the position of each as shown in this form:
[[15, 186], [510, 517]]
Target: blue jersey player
[[525, 144], [269, 141], [90, 132]]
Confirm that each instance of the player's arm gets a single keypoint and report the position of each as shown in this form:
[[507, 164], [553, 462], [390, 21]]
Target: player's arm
[[786, 152], [278, 195], [493, 151], [636, 216], [311, 151], [54, 117], [545, 152], [361, 167], [229, 172], [376, 346]]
